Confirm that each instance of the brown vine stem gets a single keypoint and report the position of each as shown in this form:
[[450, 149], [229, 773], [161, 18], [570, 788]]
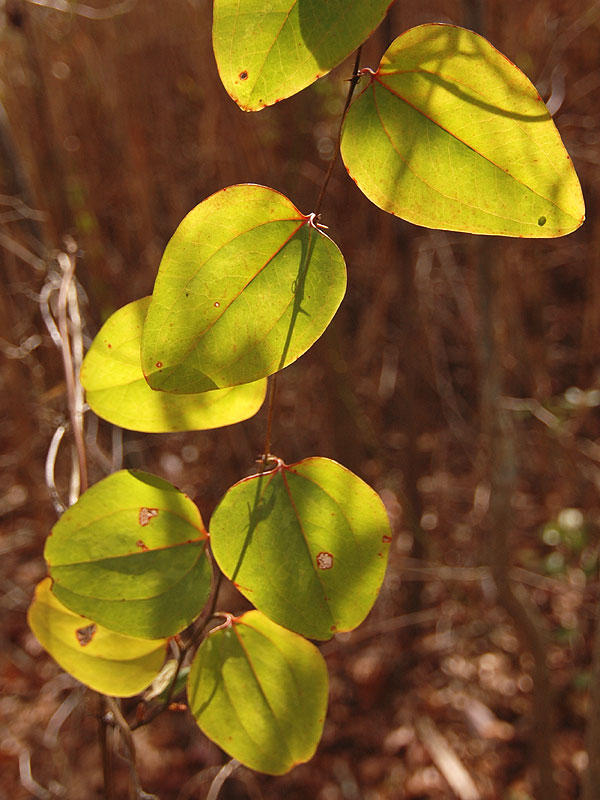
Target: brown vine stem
[[266, 457], [353, 82]]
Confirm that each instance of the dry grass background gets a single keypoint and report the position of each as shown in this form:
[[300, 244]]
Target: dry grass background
[[119, 127]]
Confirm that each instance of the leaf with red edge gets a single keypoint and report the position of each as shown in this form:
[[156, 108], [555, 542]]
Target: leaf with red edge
[[245, 286], [260, 692], [448, 133], [130, 554], [268, 51], [307, 544]]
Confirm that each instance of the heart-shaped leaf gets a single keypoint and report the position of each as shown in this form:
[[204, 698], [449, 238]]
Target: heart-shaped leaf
[[105, 661], [449, 134], [246, 285], [130, 555], [116, 390], [307, 544], [260, 692], [268, 51]]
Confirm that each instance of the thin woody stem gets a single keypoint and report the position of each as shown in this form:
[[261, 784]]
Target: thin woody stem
[[353, 81], [273, 380]]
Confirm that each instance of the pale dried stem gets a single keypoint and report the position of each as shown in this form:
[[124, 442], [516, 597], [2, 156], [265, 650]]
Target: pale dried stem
[[83, 10], [220, 778], [74, 391]]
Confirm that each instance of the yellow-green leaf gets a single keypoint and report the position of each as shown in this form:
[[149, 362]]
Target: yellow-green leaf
[[107, 662], [130, 554], [117, 391], [266, 51], [307, 544], [246, 285], [448, 133], [260, 692]]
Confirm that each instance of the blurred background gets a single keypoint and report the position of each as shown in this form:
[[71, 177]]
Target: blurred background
[[460, 378]]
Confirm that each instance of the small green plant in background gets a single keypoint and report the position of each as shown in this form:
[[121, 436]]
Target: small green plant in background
[[445, 132]]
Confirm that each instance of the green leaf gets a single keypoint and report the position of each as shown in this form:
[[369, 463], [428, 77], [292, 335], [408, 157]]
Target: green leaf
[[260, 692], [307, 544], [130, 555], [246, 285], [107, 662], [449, 134], [116, 390], [268, 51]]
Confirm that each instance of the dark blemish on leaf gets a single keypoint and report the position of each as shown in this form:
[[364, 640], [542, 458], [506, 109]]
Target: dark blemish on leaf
[[108, 345], [542, 221], [146, 515], [380, 555], [387, 539], [217, 304], [85, 635], [158, 364], [324, 560], [333, 628], [141, 545], [243, 75]]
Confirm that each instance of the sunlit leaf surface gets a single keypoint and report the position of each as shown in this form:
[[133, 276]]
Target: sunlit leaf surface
[[117, 391], [307, 544], [260, 692], [246, 285], [267, 51], [448, 133], [130, 555], [105, 661]]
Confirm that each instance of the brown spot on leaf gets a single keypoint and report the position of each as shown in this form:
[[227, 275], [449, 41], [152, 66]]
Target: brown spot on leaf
[[146, 515], [142, 545], [244, 75], [158, 364], [217, 304], [85, 635], [324, 560], [386, 539]]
